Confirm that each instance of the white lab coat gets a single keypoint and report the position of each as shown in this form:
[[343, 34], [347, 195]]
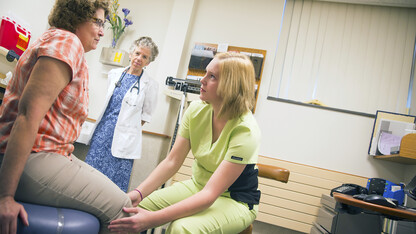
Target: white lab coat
[[127, 138]]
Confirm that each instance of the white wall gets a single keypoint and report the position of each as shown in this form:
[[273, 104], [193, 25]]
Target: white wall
[[321, 138], [316, 137]]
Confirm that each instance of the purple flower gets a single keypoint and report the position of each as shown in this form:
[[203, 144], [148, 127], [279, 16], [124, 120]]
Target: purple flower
[[126, 11], [117, 25], [127, 22]]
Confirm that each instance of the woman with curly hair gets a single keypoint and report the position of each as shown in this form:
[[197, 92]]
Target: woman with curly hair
[[43, 109]]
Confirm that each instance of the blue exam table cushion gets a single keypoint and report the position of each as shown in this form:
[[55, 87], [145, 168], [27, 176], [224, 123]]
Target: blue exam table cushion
[[47, 219]]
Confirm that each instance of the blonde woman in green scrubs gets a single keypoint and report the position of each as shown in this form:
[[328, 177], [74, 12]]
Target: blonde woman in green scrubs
[[222, 195]]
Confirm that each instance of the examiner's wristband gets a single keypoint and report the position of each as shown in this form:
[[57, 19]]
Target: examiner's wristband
[[141, 196]]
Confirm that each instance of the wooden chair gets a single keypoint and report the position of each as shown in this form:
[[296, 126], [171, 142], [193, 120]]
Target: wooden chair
[[271, 172]]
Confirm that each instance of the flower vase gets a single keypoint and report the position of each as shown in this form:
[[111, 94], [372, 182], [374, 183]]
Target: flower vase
[[114, 43], [114, 56]]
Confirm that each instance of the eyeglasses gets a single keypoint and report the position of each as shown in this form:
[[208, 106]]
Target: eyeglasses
[[98, 22]]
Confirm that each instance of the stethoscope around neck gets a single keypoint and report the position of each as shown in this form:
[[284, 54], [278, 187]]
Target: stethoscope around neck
[[118, 83]]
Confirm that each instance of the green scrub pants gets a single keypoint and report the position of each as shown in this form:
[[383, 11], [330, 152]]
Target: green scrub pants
[[224, 216]]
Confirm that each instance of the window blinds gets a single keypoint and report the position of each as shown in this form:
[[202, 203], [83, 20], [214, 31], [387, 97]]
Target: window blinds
[[348, 56]]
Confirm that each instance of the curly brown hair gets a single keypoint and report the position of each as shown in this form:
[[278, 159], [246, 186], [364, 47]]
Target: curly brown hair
[[69, 14]]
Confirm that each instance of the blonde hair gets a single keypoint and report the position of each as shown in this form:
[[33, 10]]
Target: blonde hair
[[236, 85]]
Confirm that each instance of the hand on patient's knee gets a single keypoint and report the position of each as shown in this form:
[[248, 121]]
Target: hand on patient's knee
[[138, 222]]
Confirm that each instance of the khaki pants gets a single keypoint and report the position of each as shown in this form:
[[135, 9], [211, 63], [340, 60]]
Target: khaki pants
[[54, 180]]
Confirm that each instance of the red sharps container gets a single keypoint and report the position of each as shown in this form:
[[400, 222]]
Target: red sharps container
[[13, 36]]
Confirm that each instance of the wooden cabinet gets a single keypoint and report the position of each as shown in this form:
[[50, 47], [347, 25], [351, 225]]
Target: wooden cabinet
[[258, 54]]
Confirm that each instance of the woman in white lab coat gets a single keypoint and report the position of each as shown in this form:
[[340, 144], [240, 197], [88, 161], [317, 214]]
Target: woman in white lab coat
[[131, 99]]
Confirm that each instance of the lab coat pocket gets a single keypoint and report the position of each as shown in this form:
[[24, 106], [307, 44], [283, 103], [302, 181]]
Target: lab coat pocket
[[126, 143], [130, 113], [131, 100], [134, 99]]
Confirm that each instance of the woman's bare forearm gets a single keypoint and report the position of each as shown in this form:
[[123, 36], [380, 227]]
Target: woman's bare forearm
[[18, 149]]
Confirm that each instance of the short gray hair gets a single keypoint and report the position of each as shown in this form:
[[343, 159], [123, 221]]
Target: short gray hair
[[146, 42]]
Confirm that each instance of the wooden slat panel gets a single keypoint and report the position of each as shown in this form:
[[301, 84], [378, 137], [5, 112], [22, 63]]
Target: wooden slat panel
[[308, 175], [293, 186], [313, 181], [292, 195], [185, 170], [188, 161], [288, 204], [293, 205], [180, 177], [315, 172]]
